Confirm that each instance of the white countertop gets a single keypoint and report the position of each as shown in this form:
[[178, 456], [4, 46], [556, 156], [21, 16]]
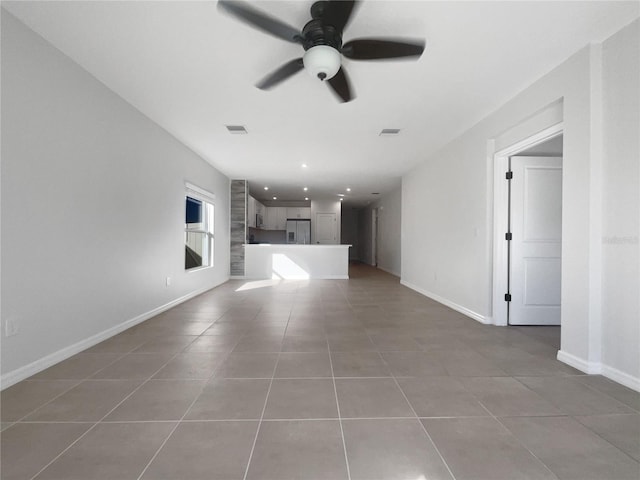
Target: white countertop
[[294, 245]]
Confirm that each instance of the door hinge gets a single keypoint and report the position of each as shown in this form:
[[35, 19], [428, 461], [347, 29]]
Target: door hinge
[[507, 297], [508, 236], [508, 175]]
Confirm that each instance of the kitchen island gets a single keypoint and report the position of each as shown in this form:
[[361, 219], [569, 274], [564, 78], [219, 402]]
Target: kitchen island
[[296, 262]]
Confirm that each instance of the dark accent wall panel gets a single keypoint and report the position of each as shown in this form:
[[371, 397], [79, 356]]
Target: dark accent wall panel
[[239, 197]]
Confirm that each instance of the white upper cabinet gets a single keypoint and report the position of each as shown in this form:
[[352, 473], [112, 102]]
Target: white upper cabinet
[[251, 212], [299, 212], [275, 218]]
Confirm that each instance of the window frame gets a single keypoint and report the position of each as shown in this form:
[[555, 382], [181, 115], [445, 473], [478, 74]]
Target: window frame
[[208, 220]]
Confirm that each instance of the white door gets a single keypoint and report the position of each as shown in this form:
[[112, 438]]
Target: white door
[[326, 228], [536, 228]]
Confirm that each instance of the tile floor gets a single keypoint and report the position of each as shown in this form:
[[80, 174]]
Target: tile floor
[[358, 379]]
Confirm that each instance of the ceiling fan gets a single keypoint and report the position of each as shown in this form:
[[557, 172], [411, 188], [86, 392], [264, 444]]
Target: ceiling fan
[[321, 39]]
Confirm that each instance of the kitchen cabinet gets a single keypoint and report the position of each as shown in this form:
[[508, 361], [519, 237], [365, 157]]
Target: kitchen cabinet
[[299, 212], [275, 218], [251, 212]]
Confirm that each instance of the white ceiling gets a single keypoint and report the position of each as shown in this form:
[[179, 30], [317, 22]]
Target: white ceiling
[[192, 69]]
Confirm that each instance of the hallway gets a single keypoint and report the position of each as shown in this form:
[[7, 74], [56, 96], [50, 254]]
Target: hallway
[[322, 379]]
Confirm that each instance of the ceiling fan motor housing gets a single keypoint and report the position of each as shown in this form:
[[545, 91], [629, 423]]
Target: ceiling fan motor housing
[[322, 45]]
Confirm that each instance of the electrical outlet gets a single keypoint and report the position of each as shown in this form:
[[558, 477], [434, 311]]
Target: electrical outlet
[[168, 281], [10, 328]]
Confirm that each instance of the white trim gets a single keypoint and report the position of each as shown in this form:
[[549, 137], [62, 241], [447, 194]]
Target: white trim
[[392, 272], [577, 362], [595, 368], [448, 303], [621, 377], [500, 202], [19, 374], [199, 193]]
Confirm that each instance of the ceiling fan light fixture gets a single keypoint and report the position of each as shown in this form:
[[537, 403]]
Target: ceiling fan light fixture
[[322, 62]]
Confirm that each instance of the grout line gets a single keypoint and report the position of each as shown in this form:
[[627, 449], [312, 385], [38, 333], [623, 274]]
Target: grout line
[[264, 408], [107, 414], [424, 429], [335, 391]]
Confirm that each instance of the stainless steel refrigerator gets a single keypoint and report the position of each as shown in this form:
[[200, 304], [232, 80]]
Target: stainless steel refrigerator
[[299, 231]]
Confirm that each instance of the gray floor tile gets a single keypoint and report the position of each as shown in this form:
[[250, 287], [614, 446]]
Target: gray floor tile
[[110, 451], [391, 449], [303, 449], [440, 397], [194, 365], [121, 343], [213, 343], [413, 364], [158, 400], [170, 344], [230, 399], [623, 431], [370, 398], [359, 364], [303, 365], [339, 342], [505, 396], [88, 401], [248, 365], [621, 393], [305, 344], [259, 344], [481, 448], [26, 448], [572, 397], [391, 343], [134, 366], [24, 397], [301, 398], [80, 366], [205, 451], [571, 450]]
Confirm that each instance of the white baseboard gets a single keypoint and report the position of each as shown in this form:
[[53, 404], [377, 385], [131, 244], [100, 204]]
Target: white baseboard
[[237, 277], [448, 303], [595, 368], [585, 366], [620, 377], [19, 374], [395, 274]]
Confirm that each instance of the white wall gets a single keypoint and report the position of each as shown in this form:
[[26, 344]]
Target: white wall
[[326, 206], [447, 212], [621, 202], [92, 208]]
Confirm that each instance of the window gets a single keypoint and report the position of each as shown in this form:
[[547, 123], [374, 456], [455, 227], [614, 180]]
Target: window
[[199, 230]]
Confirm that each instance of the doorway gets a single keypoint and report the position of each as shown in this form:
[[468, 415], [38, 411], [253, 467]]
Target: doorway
[[527, 231], [374, 237]]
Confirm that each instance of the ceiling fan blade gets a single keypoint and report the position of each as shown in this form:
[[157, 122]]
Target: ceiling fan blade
[[338, 13], [340, 84], [281, 74], [380, 49], [260, 20]]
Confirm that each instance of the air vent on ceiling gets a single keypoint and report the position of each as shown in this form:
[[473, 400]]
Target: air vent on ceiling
[[236, 129], [389, 131], [375, 193]]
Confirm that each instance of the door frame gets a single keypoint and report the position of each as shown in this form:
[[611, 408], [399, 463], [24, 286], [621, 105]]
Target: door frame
[[374, 237], [500, 217]]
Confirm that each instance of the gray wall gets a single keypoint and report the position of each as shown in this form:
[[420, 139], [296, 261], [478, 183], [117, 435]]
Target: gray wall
[[92, 208]]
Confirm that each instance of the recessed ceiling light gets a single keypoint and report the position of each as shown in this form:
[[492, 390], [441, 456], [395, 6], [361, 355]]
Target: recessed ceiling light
[[341, 199], [304, 165], [266, 188], [306, 198], [275, 198], [348, 189], [389, 131], [305, 189], [341, 194], [237, 129]]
